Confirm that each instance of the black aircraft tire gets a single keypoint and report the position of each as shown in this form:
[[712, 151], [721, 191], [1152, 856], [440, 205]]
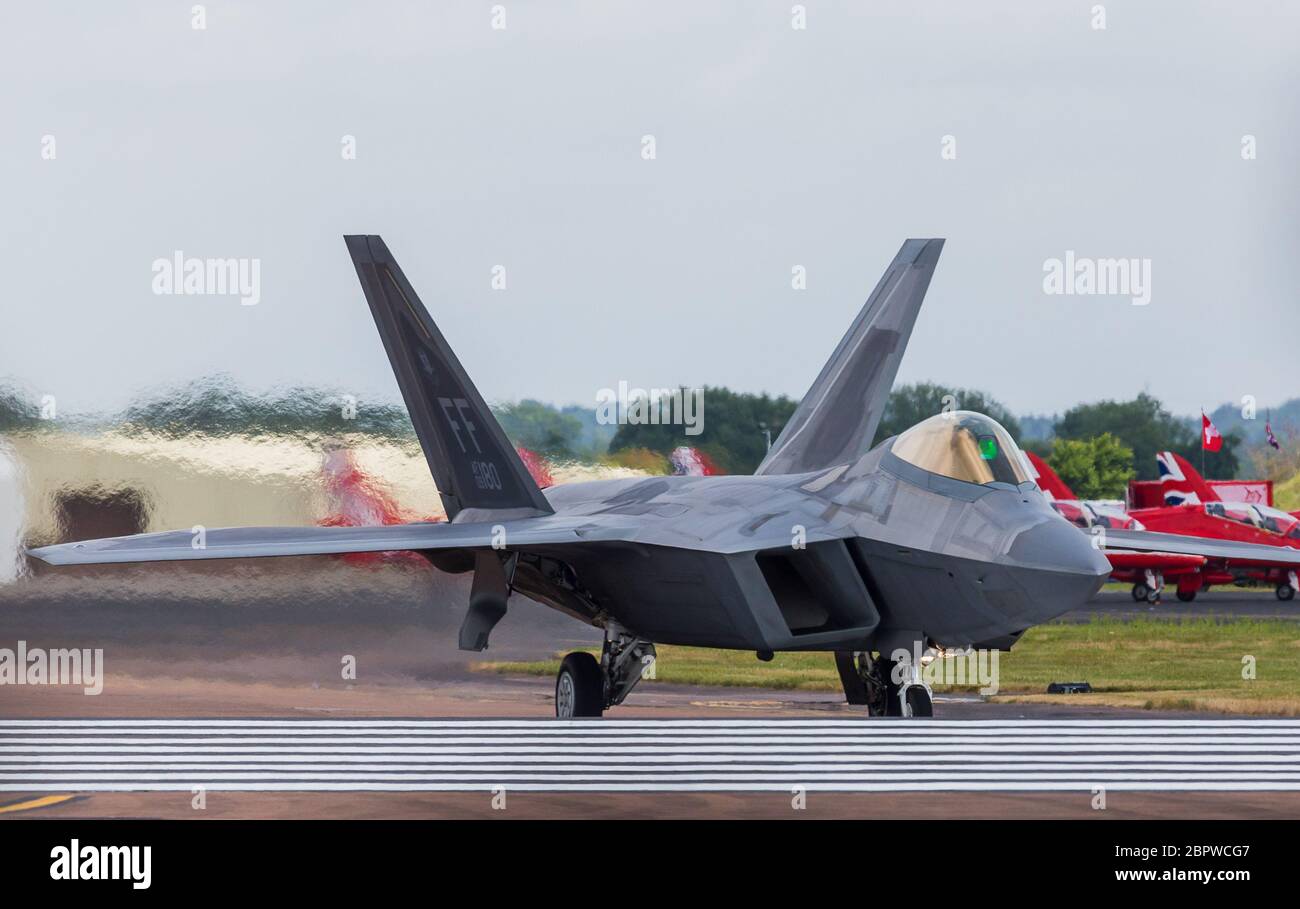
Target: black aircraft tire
[[1186, 596], [1140, 592], [918, 699], [1285, 592], [579, 687]]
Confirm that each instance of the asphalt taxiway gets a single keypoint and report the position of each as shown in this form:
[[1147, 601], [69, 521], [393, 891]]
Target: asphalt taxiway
[[1216, 603]]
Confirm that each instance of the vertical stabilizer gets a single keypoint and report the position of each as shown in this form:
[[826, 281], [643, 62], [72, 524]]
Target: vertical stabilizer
[[477, 470], [1180, 483], [1049, 481], [837, 418]]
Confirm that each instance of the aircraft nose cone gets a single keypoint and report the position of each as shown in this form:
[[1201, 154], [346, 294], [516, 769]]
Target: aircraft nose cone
[[1059, 546], [1058, 567]]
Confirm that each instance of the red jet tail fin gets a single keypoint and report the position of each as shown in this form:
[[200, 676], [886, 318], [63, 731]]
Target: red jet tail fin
[[1048, 480], [1180, 482]]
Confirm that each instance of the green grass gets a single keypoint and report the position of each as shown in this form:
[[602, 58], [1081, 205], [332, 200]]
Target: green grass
[[1148, 663], [1286, 495]]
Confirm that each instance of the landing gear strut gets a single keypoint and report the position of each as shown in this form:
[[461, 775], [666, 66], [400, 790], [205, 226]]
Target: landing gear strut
[[1149, 588], [587, 687], [885, 687]]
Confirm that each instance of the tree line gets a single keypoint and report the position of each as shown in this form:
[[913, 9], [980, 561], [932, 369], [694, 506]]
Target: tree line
[[1096, 447]]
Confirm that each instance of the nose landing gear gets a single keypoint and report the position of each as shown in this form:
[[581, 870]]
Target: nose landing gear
[[884, 686]]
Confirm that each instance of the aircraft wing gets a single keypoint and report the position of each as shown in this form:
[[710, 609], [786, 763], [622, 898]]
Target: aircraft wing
[[1230, 550], [254, 542], [525, 534]]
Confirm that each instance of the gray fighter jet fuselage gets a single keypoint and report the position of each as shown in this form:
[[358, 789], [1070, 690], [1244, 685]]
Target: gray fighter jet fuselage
[[937, 537], [863, 556]]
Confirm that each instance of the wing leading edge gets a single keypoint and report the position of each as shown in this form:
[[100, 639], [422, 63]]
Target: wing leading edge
[[838, 416], [255, 542]]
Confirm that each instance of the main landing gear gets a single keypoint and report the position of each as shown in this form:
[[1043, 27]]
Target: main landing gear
[[1149, 589], [1287, 587], [885, 687], [587, 687]]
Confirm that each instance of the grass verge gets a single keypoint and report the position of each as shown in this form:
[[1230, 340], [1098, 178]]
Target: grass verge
[[1158, 664]]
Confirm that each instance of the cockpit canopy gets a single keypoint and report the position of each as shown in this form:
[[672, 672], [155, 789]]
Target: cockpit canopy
[[1095, 514], [963, 445], [1264, 517]]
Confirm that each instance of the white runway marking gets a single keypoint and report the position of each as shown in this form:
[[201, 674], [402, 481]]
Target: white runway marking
[[688, 755]]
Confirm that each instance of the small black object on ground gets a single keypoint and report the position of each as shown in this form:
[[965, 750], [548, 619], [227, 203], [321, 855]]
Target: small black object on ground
[[1069, 688]]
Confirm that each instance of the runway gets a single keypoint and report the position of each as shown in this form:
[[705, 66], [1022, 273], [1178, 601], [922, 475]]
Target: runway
[[1220, 604], [648, 755]]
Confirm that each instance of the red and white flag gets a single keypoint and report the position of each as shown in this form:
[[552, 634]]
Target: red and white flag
[[1210, 438]]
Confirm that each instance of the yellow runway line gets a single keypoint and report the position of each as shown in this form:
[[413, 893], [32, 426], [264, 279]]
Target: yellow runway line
[[42, 802]]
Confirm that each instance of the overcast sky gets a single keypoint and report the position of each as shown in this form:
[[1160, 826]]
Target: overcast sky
[[774, 147]]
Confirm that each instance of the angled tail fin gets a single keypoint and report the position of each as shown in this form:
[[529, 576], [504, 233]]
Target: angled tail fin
[[837, 418], [476, 469], [1049, 481], [1180, 483]]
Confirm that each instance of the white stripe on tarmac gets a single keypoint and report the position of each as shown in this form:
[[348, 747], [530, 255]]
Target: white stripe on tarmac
[[665, 743], [851, 755], [783, 786], [615, 726], [604, 760]]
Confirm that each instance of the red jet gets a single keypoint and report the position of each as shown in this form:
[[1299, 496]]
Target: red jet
[[1195, 538], [1193, 508], [1146, 571]]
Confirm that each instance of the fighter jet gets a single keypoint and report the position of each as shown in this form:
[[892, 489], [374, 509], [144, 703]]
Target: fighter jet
[[934, 539]]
